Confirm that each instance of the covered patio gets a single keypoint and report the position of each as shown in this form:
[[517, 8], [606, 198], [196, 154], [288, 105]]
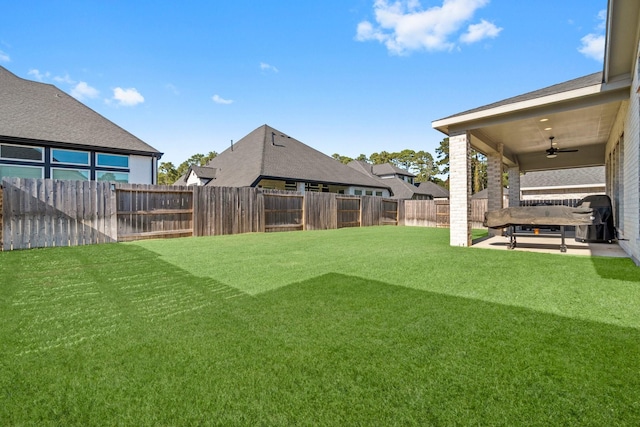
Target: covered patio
[[578, 123]]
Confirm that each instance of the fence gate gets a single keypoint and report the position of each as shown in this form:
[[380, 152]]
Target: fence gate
[[147, 212], [442, 213], [348, 211]]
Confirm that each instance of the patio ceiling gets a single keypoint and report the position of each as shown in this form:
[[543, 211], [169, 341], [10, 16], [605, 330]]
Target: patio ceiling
[[579, 118]]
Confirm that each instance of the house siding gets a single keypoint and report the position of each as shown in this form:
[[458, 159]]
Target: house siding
[[627, 126]]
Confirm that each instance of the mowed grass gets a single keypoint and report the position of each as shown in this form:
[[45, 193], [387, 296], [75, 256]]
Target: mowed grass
[[371, 326]]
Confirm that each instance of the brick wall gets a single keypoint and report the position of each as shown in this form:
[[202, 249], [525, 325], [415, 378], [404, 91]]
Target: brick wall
[[459, 190]]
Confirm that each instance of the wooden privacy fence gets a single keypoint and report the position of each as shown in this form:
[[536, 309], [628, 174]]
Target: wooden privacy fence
[[41, 213], [44, 213], [151, 211], [435, 213]]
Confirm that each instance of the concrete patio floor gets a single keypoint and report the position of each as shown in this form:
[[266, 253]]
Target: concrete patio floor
[[551, 244]]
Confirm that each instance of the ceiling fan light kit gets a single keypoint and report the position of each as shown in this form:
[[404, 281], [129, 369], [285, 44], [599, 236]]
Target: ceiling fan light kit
[[552, 152]]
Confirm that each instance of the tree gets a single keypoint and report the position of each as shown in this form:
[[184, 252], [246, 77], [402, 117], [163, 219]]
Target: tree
[[168, 173], [341, 159], [425, 167], [442, 153], [381, 158]]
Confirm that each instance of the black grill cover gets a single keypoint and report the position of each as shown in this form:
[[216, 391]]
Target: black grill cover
[[603, 232]]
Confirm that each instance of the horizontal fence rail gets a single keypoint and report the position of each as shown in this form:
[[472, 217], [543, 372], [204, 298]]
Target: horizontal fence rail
[[40, 213], [45, 213]]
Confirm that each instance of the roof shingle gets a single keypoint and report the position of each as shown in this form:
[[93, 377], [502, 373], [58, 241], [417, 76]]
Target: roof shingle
[[37, 111], [269, 153]]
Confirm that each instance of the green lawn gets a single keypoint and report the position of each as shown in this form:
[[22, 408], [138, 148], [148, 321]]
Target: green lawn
[[370, 326]]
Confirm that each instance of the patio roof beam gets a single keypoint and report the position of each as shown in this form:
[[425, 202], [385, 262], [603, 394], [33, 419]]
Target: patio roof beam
[[486, 145], [479, 121]]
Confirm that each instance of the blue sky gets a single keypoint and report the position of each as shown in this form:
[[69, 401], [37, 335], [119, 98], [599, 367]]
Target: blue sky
[[343, 76]]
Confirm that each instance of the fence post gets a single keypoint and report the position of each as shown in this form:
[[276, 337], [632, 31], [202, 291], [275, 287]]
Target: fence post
[[1, 216]]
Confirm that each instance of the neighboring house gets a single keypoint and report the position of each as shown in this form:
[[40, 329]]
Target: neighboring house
[[484, 195], [400, 180], [438, 192], [46, 133], [598, 115], [267, 158], [561, 184], [199, 175]]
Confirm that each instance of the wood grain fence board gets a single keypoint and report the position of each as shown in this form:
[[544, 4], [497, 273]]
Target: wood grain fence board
[[1, 217]]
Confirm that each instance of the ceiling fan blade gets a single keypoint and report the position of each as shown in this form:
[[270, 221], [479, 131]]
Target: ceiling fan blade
[[565, 151]]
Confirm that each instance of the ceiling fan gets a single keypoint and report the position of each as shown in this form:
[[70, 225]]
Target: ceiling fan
[[552, 151]]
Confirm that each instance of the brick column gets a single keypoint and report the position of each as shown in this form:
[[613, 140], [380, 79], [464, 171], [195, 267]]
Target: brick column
[[459, 190], [514, 187], [494, 185]]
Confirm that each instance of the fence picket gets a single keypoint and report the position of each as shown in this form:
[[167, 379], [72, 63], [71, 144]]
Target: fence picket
[[36, 213]]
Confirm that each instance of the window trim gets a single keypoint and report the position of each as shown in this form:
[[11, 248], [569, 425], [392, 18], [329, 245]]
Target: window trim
[[41, 167], [88, 172], [42, 150], [102, 166], [55, 162]]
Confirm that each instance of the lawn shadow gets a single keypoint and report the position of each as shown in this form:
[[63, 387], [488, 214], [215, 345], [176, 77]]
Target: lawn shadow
[[439, 357], [616, 268]]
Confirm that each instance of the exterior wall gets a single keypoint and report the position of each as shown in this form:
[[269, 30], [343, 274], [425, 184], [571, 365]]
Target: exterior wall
[[459, 190], [628, 126], [363, 191], [275, 184], [141, 170], [193, 179], [560, 193], [494, 189], [514, 186]]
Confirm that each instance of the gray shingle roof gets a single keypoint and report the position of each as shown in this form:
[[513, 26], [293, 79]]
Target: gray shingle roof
[[590, 80], [204, 172], [401, 189], [269, 153], [564, 177], [389, 169], [434, 189], [37, 111]]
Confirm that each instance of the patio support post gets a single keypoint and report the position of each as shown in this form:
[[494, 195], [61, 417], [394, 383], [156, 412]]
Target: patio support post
[[494, 184], [460, 189], [514, 186]]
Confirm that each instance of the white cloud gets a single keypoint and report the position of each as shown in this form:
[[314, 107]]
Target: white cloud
[[38, 75], [602, 17], [592, 45], [127, 97], [267, 67], [477, 32], [82, 90], [64, 79], [404, 25], [171, 88], [4, 57], [218, 100]]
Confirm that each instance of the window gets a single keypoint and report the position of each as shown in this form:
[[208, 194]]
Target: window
[[11, 171], [112, 160], [358, 192], [379, 193], [112, 176], [369, 193], [70, 174], [68, 156], [19, 152]]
